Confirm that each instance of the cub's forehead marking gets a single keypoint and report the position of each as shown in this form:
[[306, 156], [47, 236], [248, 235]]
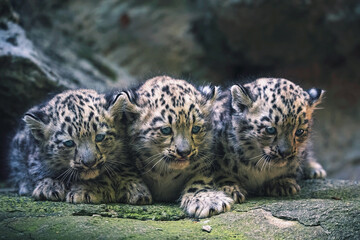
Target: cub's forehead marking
[[281, 101], [170, 100], [167, 89], [78, 112], [279, 92]]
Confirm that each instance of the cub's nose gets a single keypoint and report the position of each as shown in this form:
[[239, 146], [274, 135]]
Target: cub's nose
[[284, 152], [183, 146], [183, 152], [89, 162], [87, 154]]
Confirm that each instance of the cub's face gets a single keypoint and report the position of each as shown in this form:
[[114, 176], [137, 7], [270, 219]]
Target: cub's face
[[76, 134], [170, 124], [272, 119]]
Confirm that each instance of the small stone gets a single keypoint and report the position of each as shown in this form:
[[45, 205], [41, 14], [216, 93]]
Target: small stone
[[96, 215], [206, 228]]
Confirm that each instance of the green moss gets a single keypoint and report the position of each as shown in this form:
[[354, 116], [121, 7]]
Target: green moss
[[253, 203], [12, 205], [110, 228], [314, 213], [225, 226], [156, 212]]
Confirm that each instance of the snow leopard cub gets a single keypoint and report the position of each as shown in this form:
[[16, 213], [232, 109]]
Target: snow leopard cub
[[70, 148], [171, 133], [263, 131]]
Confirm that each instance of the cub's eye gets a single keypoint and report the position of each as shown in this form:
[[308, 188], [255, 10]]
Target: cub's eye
[[166, 130], [99, 137], [270, 130], [69, 143], [299, 132], [195, 129]]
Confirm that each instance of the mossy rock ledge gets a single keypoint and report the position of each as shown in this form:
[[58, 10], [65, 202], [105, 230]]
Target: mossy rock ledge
[[325, 209]]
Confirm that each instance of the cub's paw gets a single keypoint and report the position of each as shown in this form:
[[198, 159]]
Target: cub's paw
[[138, 194], [282, 187], [314, 171], [89, 194], [237, 193], [205, 204], [49, 189]]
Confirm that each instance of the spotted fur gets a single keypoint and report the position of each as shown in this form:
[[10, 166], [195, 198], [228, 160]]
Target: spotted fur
[[171, 135], [71, 149], [263, 131]]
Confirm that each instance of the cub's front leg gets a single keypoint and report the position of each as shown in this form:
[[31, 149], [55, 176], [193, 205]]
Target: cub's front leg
[[232, 188], [131, 189], [200, 199], [313, 170], [49, 189], [237, 193], [281, 187], [92, 191]]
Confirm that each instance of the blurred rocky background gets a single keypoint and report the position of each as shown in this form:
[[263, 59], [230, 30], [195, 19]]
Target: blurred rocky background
[[49, 46]]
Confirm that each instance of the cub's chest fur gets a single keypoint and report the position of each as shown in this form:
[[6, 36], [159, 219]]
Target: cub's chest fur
[[166, 188], [255, 179]]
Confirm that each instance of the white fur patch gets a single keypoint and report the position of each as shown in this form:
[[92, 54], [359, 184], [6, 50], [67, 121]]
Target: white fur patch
[[313, 93], [206, 90]]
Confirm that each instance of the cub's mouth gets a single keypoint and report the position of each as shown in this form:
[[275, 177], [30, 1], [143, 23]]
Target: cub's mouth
[[179, 163], [280, 161], [91, 173]]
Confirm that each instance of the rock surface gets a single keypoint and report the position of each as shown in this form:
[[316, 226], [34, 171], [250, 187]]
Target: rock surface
[[328, 209]]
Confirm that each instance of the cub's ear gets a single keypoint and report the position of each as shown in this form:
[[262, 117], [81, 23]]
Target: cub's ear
[[131, 106], [316, 96], [115, 106], [38, 122], [240, 98], [210, 93], [123, 103]]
